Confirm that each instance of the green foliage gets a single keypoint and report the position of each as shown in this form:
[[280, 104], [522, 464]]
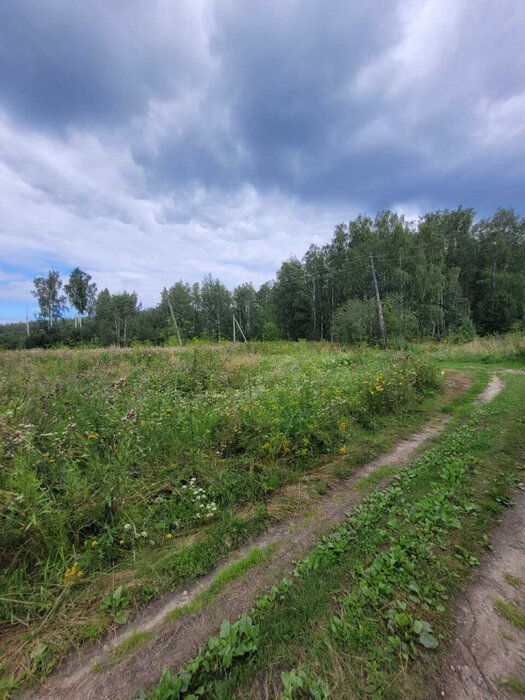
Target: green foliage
[[271, 332], [233, 642], [514, 684], [297, 684], [235, 571], [115, 317], [115, 604], [47, 292], [292, 300], [357, 321], [81, 291], [511, 612], [133, 642], [513, 580]]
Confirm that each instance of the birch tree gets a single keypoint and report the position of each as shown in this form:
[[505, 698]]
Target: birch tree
[[81, 292], [48, 294]]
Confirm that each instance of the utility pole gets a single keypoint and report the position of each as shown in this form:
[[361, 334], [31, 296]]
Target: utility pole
[[379, 307], [173, 315], [27, 322], [239, 327]]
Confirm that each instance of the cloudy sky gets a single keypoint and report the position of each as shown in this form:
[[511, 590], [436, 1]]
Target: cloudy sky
[[152, 140]]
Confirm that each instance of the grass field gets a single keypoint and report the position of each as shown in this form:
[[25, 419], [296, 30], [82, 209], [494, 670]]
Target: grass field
[[126, 473], [112, 459]]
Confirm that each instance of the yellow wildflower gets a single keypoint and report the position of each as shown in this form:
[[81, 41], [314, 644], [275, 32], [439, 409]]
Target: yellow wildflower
[[71, 573], [169, 536], [92, 436], [94, 544], [343, 426], [342, 450]]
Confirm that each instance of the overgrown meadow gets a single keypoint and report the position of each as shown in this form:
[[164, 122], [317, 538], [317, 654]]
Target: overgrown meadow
[[109, 453]]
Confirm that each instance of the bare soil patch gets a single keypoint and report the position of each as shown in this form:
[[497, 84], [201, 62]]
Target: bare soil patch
[[493, 388], [487, 648]]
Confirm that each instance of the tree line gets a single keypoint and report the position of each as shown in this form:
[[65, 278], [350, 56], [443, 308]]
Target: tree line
[[445, 275]]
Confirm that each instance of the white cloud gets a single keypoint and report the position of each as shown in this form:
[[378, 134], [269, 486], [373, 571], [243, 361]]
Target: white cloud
[[79, 202]]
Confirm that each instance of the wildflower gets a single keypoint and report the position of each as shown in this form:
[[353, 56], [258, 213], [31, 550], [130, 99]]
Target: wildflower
[[286, 446], [121, 541], [152, 543], [144, 534], [342, 450], [343, 426], [51, 460], [169, 536], [130, 417], [92, 436], [152, 484], [70, 573], [127, 527], [94, 544], [80, 574], [379, 388]]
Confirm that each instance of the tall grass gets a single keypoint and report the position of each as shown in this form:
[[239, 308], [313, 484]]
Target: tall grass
[[108, 453], [509, 348]]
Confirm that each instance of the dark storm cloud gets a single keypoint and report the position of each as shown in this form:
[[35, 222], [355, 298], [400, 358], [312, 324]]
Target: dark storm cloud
[[227, 135], [289, 69], [66, 63]]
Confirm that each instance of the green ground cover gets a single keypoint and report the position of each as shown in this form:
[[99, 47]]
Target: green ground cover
[[368, 612]]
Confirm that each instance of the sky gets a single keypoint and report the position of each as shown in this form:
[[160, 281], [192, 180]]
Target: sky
[[148, 141]]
